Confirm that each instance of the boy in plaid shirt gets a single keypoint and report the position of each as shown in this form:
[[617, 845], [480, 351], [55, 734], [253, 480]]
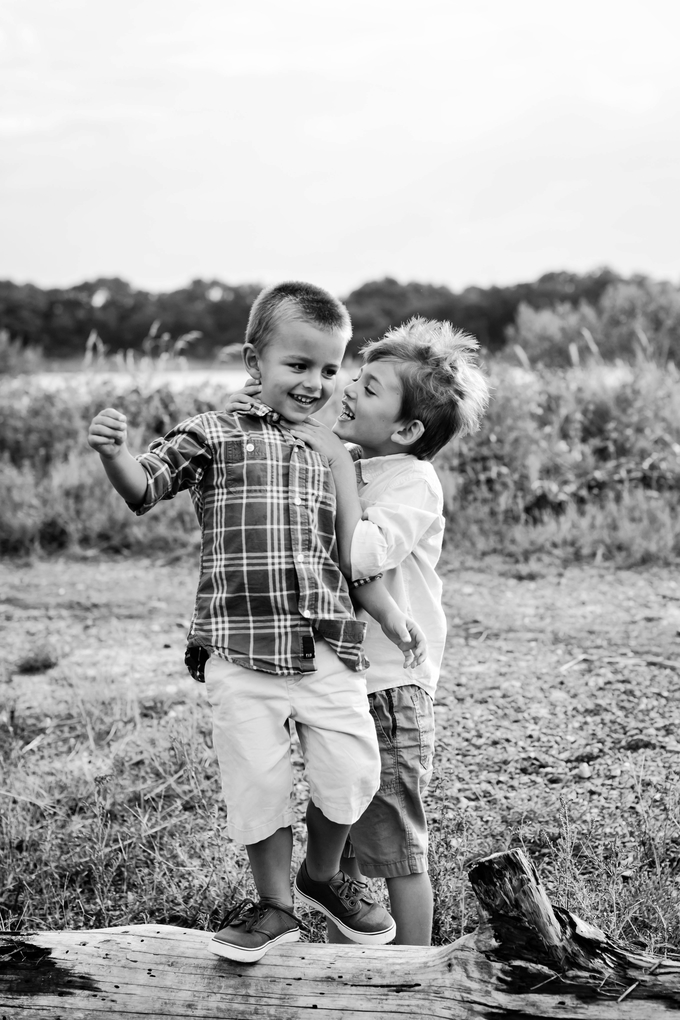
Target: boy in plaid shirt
[[273, 624]]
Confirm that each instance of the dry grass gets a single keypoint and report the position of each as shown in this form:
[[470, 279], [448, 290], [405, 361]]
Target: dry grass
[[110, 806], [112, 814]]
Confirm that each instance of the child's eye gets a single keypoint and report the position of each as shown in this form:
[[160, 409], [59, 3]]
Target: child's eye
[[367, 389], [330, 373]]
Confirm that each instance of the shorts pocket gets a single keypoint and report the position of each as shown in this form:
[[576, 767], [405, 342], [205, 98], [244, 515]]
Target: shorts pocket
[[382, 713], [423, 707]]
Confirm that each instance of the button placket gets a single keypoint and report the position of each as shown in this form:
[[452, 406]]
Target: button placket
[[299, 531]]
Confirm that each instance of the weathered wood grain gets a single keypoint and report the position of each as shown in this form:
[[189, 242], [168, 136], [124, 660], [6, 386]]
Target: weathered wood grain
[[550, 964]]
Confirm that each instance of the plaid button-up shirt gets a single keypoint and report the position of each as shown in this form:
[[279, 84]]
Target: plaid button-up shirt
[[269, 575]]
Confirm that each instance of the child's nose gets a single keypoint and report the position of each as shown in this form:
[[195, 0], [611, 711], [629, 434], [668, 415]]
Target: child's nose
[[313, 378]]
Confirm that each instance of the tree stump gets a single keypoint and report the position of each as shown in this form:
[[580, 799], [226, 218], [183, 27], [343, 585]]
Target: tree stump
[[528, 959]]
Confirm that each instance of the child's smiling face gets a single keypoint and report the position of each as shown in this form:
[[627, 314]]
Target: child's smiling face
[[371, 409], [297, 368]]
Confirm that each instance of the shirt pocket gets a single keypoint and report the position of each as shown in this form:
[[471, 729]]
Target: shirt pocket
[[249, 468]]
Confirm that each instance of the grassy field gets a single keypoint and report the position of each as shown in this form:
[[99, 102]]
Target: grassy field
[[558, 703], [557, 719]]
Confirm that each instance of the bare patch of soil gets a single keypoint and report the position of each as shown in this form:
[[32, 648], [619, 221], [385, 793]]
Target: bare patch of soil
[[545, 670], [556, 680]]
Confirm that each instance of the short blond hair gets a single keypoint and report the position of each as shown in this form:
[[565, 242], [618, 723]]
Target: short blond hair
[[299, 301], [442, 384]]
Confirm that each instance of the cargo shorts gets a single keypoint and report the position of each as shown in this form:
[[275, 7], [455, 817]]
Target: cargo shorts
[[390, 838]]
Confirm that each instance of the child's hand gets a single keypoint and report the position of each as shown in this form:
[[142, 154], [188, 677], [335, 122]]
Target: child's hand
[[406, 635], [246, 399], [107, 433], [320, 439]]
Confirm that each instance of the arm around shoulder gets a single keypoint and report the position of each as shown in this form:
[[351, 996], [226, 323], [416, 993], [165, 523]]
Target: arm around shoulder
[[348, 507]]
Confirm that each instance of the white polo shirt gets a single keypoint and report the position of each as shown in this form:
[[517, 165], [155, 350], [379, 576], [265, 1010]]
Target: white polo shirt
[[401, 536]]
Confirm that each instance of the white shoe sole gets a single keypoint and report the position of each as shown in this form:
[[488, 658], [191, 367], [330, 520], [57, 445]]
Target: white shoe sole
[[377, 938], [244, 955]]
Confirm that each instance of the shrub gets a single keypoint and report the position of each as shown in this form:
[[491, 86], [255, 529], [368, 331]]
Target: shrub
[[38, 427], [553, 439], [554, 336], [641, 317], [19, 509], [634, 320]]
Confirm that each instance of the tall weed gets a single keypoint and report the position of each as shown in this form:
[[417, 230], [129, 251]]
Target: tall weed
[[17, 357]]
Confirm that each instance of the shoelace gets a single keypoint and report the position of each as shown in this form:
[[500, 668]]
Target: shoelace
[[249, 913], [350, 890]]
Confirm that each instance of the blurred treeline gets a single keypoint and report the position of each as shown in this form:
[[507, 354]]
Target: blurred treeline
[[578, 457], [554, 319]]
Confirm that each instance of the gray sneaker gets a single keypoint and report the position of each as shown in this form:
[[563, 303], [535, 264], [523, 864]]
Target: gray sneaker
[[346, 902], [251, 929]]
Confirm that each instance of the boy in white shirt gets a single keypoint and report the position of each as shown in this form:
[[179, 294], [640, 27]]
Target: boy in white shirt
[[419, 387]]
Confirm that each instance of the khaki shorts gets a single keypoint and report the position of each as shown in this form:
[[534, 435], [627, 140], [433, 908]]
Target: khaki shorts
[[390, 838], [251, 714]]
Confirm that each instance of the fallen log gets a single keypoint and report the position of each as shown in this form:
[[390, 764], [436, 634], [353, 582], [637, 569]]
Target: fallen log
[[527, 959]]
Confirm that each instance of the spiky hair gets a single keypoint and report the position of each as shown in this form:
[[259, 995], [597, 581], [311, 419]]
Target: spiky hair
[[442, 384]]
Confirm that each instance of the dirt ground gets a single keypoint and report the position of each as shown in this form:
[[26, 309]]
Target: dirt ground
[[558, 686]]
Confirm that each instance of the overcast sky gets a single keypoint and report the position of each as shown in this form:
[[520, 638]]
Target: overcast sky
[[475, 142]]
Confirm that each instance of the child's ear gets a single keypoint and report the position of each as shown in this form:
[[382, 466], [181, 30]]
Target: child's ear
[[251, 360], [409, 433]]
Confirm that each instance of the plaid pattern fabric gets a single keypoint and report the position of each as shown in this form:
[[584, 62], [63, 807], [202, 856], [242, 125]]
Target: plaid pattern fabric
[[269, 575]]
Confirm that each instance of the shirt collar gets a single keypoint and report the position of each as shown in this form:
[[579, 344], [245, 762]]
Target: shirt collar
[[272, 417], [264, 411], [374, 466]]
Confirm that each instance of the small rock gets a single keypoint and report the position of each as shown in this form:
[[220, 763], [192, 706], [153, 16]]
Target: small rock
[[637, 743], [584, 770], [557, 695]]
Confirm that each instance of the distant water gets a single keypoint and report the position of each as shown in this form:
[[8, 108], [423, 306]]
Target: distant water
[[227, 379], [217, 382]]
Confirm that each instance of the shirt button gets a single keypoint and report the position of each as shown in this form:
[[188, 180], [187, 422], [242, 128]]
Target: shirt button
[[306, 613], [300, 557], [297, 501], [250, 447]]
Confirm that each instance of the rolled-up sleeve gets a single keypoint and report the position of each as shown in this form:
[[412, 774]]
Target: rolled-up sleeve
[[389, 531], [176, 462]]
